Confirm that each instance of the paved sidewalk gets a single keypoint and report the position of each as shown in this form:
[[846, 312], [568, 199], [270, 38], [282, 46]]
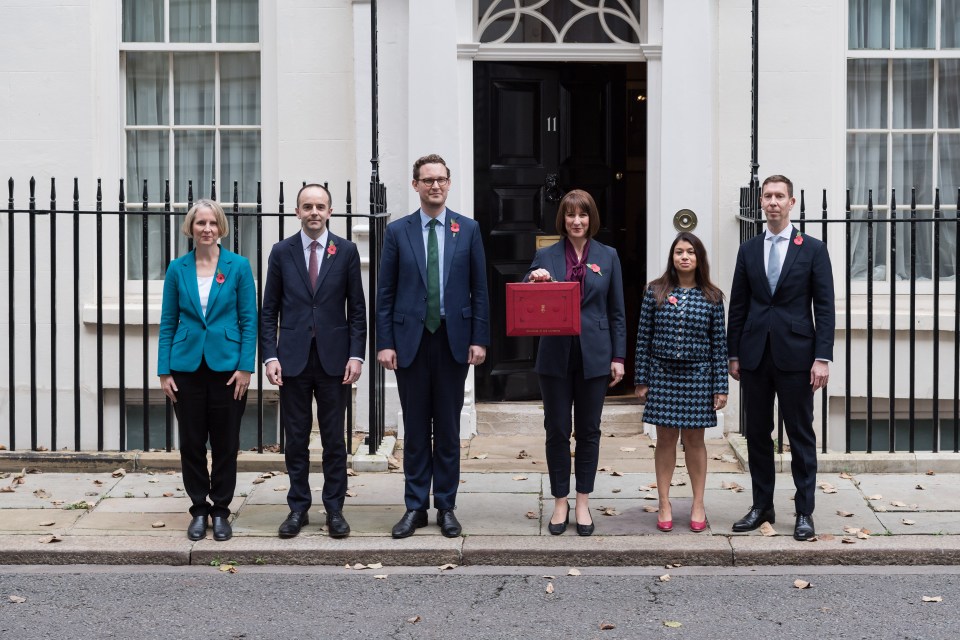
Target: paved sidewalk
[[140, 517]]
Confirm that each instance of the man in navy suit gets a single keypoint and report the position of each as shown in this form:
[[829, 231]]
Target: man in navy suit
[[314, 291], [780, 343], [432, 324]]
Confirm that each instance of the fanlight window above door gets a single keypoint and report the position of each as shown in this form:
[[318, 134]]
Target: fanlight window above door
[[559, 21]]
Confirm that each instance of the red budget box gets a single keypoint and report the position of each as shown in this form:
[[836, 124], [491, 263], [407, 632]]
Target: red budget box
[[543, 309]]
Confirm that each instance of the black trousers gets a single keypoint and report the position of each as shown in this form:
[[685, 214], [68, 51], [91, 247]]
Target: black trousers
[[296, 403], [206, 410], [431, 396], [793, 390], [585, 396]]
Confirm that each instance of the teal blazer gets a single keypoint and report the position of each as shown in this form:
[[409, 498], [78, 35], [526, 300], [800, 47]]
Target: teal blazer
[[227, 336]]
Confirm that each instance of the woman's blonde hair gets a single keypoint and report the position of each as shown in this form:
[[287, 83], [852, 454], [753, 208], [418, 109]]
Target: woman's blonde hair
[[213, 205]]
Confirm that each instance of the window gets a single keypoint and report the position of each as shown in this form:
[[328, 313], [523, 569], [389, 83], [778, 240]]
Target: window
[[556, 21], [191, 70], [903, 128]]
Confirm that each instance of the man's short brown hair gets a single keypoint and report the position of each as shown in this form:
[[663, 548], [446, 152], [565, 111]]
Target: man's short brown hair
[[430, 159], [779, 178]]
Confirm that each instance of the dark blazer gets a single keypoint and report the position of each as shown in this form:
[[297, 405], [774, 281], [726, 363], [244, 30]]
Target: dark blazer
[[603, 326], [340, 330], [798, 317], [226, 337], [402, 301]]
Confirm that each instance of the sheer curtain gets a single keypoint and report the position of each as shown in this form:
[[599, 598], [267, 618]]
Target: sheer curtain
[[869, 26], [238, 21], [915, 24], [950, 24], [190, 21], [143, 20]]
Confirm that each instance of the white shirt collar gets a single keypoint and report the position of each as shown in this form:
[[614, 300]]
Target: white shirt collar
[[306, 240], [425, 219], [785, 234]]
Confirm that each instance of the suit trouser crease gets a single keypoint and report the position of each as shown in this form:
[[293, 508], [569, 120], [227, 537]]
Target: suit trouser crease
[[584, 396], [431, 396], [296, 404], [794, 393], [206, 410]]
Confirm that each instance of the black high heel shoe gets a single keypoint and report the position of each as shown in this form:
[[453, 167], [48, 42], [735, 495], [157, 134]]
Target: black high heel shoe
[[557, 529], [585, 529]]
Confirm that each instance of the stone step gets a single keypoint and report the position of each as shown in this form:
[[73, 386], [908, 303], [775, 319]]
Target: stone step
[[526, 418]]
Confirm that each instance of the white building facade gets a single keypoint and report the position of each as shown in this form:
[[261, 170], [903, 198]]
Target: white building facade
[[855, 95]]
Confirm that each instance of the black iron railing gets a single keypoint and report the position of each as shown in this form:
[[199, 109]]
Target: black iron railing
[[869, 265], [38, 320]]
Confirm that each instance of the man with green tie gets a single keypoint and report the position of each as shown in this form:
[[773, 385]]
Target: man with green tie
[[432, 324]]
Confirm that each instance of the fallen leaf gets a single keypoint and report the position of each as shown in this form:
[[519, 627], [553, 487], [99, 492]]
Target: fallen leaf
[[519, 478], [447, 567], [280, 488], [46, 523], [851, 530], [153, 480], [844, 514], [393, 463], [616, 474], [168, 494], [414, 619], [607, 626], [605, 469], [549, 588], [119, 473], [159, 524], [649, 508], [573, 572], [863, 534], [608, 511], [258, 481], [628, 449], [880, 508], [479, 456], [925, 598], [351, 493], [665, 577], [827, 537], [615, 490], [41, 493], [380, 576], [352, 473], [920, 487], [825, 485], [767, 529], [649, 496], [50, 538], [532, 515], [931, 473], [732, 486], [726, 457], [845, 475], [523, 454], [678, 483], [673, 624], [801, 584], [908, 521], [549, 577], [897, 503], [6, 489], [375, 565], [846, 540], [875, 496], [17, 599], [830, 490], [228, 568], [99, 483]]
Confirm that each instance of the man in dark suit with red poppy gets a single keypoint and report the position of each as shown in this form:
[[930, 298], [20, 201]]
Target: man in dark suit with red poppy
[[780, 343], [315, 292], [432, 324]]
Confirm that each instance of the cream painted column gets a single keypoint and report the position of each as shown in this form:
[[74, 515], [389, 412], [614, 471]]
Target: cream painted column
[[436, 105], [687, 103]]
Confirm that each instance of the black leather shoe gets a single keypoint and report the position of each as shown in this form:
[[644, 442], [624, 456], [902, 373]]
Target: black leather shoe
[[448, 523], [585, 529], [198, 528], [410, 522], [337, 526], [221, 528], [804, 529], [295, 521], [557, 529], [754, 518]]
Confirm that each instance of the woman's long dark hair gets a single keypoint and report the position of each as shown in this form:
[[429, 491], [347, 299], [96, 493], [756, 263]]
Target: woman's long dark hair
[[669, 281]]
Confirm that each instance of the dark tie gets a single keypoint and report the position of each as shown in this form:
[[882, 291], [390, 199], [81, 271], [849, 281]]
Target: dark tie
[[773, 263], [432, 322], [314, 266]]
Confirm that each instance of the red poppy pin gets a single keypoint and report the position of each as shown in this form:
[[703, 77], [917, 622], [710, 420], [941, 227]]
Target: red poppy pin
[[331, 249], [220, 277], [672, 300], [454, 228], [798, 239], [595, 268]]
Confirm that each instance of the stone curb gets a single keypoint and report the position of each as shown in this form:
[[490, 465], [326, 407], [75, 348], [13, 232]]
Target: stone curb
[[115, 550]]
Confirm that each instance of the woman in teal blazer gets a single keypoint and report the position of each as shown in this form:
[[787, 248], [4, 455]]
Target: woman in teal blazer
[[206, 353]]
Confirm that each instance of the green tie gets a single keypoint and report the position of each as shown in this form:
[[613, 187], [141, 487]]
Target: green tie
[[432, 322]]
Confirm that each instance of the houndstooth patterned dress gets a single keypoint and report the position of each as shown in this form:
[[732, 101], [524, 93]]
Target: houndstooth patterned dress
[[682, 356]]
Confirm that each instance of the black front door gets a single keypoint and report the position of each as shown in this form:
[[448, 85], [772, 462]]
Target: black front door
[[541, 130]]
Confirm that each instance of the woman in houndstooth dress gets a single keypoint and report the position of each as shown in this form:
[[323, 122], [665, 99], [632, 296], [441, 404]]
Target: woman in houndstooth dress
[[681, 369]]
